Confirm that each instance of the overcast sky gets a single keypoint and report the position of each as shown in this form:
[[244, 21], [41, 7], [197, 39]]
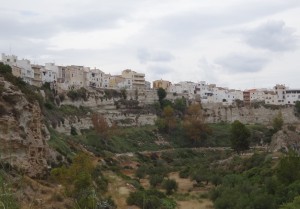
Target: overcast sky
[[234, 43]]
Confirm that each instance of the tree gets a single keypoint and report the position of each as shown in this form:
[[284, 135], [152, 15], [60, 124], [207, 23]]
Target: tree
[[194, 124], [168, 120], [292, 205], [288, 169], [277, 122], [161, 93], [101, 126], [180, 104], [77, 180], [170, 186], [239, 136]]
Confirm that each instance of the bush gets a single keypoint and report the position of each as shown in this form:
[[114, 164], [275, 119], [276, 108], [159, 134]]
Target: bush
[[75, 95], [7, 198], [156, 180], [141, 172], [170, 186], [73, 131], [185, 173], [150, 199], [277, 122], [49, 105]]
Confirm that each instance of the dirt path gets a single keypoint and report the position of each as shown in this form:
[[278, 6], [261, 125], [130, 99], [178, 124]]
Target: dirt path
[[131, 154]]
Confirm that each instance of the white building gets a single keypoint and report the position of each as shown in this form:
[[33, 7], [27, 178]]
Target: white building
[[94, 78], [205, 92], [292, 96], [233, 95], [27, 73], [184, 87], [280, 92], [125, 84], [106, 79], [50, 73]]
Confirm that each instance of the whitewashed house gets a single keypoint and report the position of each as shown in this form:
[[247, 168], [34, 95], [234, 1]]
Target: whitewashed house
[[292, 96], [94, 78]]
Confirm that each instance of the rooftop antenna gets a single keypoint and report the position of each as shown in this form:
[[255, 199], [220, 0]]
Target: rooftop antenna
[[10, 48]]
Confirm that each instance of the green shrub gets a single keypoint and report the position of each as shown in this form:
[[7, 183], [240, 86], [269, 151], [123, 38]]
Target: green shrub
[[185, 173], [170, 186], [75, 95], [49, 105], [156, 180], [150, 199], [7, 197], [73, 131]]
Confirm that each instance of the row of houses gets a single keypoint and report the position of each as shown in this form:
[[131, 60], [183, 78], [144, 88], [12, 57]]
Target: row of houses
[[210, 93], [73, 76]]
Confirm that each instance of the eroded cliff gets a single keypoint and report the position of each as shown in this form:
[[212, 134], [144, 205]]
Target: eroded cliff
[[23, 135]]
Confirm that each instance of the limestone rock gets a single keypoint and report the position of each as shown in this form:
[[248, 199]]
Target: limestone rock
[[285, 140], [23, 134]]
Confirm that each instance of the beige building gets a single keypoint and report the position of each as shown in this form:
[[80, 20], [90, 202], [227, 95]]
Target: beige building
[[138, 79], [115, 80], [280, 91], [37, 75], [161, 84], [75, 76], [271, 97]]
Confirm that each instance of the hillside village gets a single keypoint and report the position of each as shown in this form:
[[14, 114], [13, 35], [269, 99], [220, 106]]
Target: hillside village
[[64, 78]]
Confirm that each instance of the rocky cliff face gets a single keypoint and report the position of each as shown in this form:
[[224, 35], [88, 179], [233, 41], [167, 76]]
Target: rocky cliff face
[[214, 113], [23, 136], [285, 140], [217, 113], [117, 114]]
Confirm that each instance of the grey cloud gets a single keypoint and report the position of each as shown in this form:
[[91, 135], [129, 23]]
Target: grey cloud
[[17, 28], [273, 36], [145, 56], [158, 70], [183, 26], [92, 20], [27, 23], [239, 63]]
